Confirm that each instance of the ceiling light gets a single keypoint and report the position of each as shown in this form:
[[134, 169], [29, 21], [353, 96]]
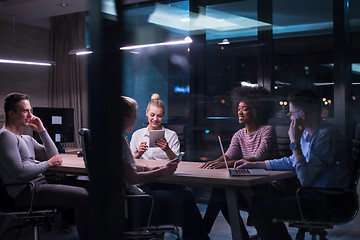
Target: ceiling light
[[185, 41], [83, 51], [247, 84], [224, 42], [26, 62], [64, 5], [206, 19]]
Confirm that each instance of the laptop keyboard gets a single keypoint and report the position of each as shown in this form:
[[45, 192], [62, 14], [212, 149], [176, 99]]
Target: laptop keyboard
[[241, 171]]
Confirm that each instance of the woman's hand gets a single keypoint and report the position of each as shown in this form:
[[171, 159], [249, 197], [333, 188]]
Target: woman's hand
[[36, 124], [162, 143], [215, 164], [171, 166], [141, 150]]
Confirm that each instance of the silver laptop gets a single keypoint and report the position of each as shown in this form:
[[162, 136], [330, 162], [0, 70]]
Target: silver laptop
[[241, 172]]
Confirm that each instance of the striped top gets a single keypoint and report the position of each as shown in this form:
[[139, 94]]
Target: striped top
[[260, 144]]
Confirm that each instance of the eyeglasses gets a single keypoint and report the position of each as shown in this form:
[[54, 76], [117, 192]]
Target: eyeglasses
[[291, 113]]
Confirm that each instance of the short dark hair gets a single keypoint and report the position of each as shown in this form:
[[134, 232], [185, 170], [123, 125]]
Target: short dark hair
[[259, 100], [11, 100], [307, 100]]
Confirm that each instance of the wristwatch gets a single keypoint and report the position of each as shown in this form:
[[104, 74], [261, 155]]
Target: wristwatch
[[293, 146]]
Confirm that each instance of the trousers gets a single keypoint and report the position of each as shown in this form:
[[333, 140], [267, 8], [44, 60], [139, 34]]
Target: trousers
[[63, 197]]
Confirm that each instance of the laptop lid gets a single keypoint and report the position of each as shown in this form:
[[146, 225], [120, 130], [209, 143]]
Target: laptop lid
[[223, 153], [240, 172]]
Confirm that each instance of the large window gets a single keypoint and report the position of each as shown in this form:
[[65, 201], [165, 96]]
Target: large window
[[354, 15], [280, 44]]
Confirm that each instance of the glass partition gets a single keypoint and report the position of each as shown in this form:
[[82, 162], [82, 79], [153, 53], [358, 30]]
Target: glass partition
[[354, 16], [279, 44]]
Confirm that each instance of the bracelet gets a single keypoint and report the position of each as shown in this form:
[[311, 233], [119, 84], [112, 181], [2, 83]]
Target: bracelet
[[144, 167]]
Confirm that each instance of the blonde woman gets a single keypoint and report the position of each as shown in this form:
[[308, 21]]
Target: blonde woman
[[168, 147], [174, 206]]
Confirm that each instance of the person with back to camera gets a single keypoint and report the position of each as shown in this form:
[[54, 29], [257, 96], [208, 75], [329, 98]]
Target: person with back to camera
[[168, 147], [319, 160], [171, 206], [255, 142], [17, 164]]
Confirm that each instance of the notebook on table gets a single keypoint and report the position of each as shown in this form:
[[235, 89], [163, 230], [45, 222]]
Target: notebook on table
[[241, 172]]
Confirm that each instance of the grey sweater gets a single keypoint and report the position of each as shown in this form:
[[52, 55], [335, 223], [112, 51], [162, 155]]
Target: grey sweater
[[17, 158]]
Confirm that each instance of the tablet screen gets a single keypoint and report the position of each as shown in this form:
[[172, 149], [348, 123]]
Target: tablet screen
[[155, 134]]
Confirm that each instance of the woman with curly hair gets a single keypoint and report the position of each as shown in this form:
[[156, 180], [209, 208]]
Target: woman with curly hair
[[254, 142]]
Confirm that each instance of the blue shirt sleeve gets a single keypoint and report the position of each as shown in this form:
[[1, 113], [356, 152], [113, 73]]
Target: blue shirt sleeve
[[281, 164], [323, 157]]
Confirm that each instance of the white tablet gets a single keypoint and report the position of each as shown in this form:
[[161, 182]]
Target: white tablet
[[155, 134]]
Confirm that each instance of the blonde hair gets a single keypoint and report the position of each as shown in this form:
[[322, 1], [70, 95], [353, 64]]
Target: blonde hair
[[129, 105], [155, 101]]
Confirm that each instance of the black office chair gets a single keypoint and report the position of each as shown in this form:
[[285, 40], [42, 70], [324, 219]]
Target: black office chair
[[134, 230], [138, 231], [34, 216], [85, 136], [283, 140], [343, 213]]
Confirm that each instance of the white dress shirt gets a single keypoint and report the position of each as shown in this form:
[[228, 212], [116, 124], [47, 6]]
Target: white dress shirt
[[142, 135]]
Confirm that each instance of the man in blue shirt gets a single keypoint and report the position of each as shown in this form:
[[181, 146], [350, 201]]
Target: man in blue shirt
[[319, 159]]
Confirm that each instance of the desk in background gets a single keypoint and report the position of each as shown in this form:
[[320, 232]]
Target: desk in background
[[189, 173]]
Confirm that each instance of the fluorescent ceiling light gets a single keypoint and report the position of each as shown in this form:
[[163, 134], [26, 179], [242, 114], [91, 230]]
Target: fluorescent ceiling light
[[83, 51], [323, 84], [208, 18], [331, 83], [26, 62], [185, 41], [282, 83], [224, 42], [247, 84]]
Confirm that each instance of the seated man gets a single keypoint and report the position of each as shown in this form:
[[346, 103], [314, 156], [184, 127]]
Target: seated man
[[17, 163], [319, 159]]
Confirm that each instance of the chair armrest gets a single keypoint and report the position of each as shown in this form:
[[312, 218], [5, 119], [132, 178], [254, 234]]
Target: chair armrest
[[339, 211], [32, 187]]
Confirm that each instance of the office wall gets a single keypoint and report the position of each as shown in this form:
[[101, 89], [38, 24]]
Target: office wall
[[21, 41]]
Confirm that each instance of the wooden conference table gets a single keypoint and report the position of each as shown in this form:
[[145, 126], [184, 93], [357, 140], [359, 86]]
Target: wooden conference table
[[189, 173]]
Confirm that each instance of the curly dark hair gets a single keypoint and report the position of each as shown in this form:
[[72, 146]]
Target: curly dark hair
[[259, 100]]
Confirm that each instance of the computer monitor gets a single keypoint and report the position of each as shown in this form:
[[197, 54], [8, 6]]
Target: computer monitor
[[59, 122]]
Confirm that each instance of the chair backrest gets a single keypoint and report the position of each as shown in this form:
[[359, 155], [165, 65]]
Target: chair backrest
[[85, 134], [283, 140], [180, 130]]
